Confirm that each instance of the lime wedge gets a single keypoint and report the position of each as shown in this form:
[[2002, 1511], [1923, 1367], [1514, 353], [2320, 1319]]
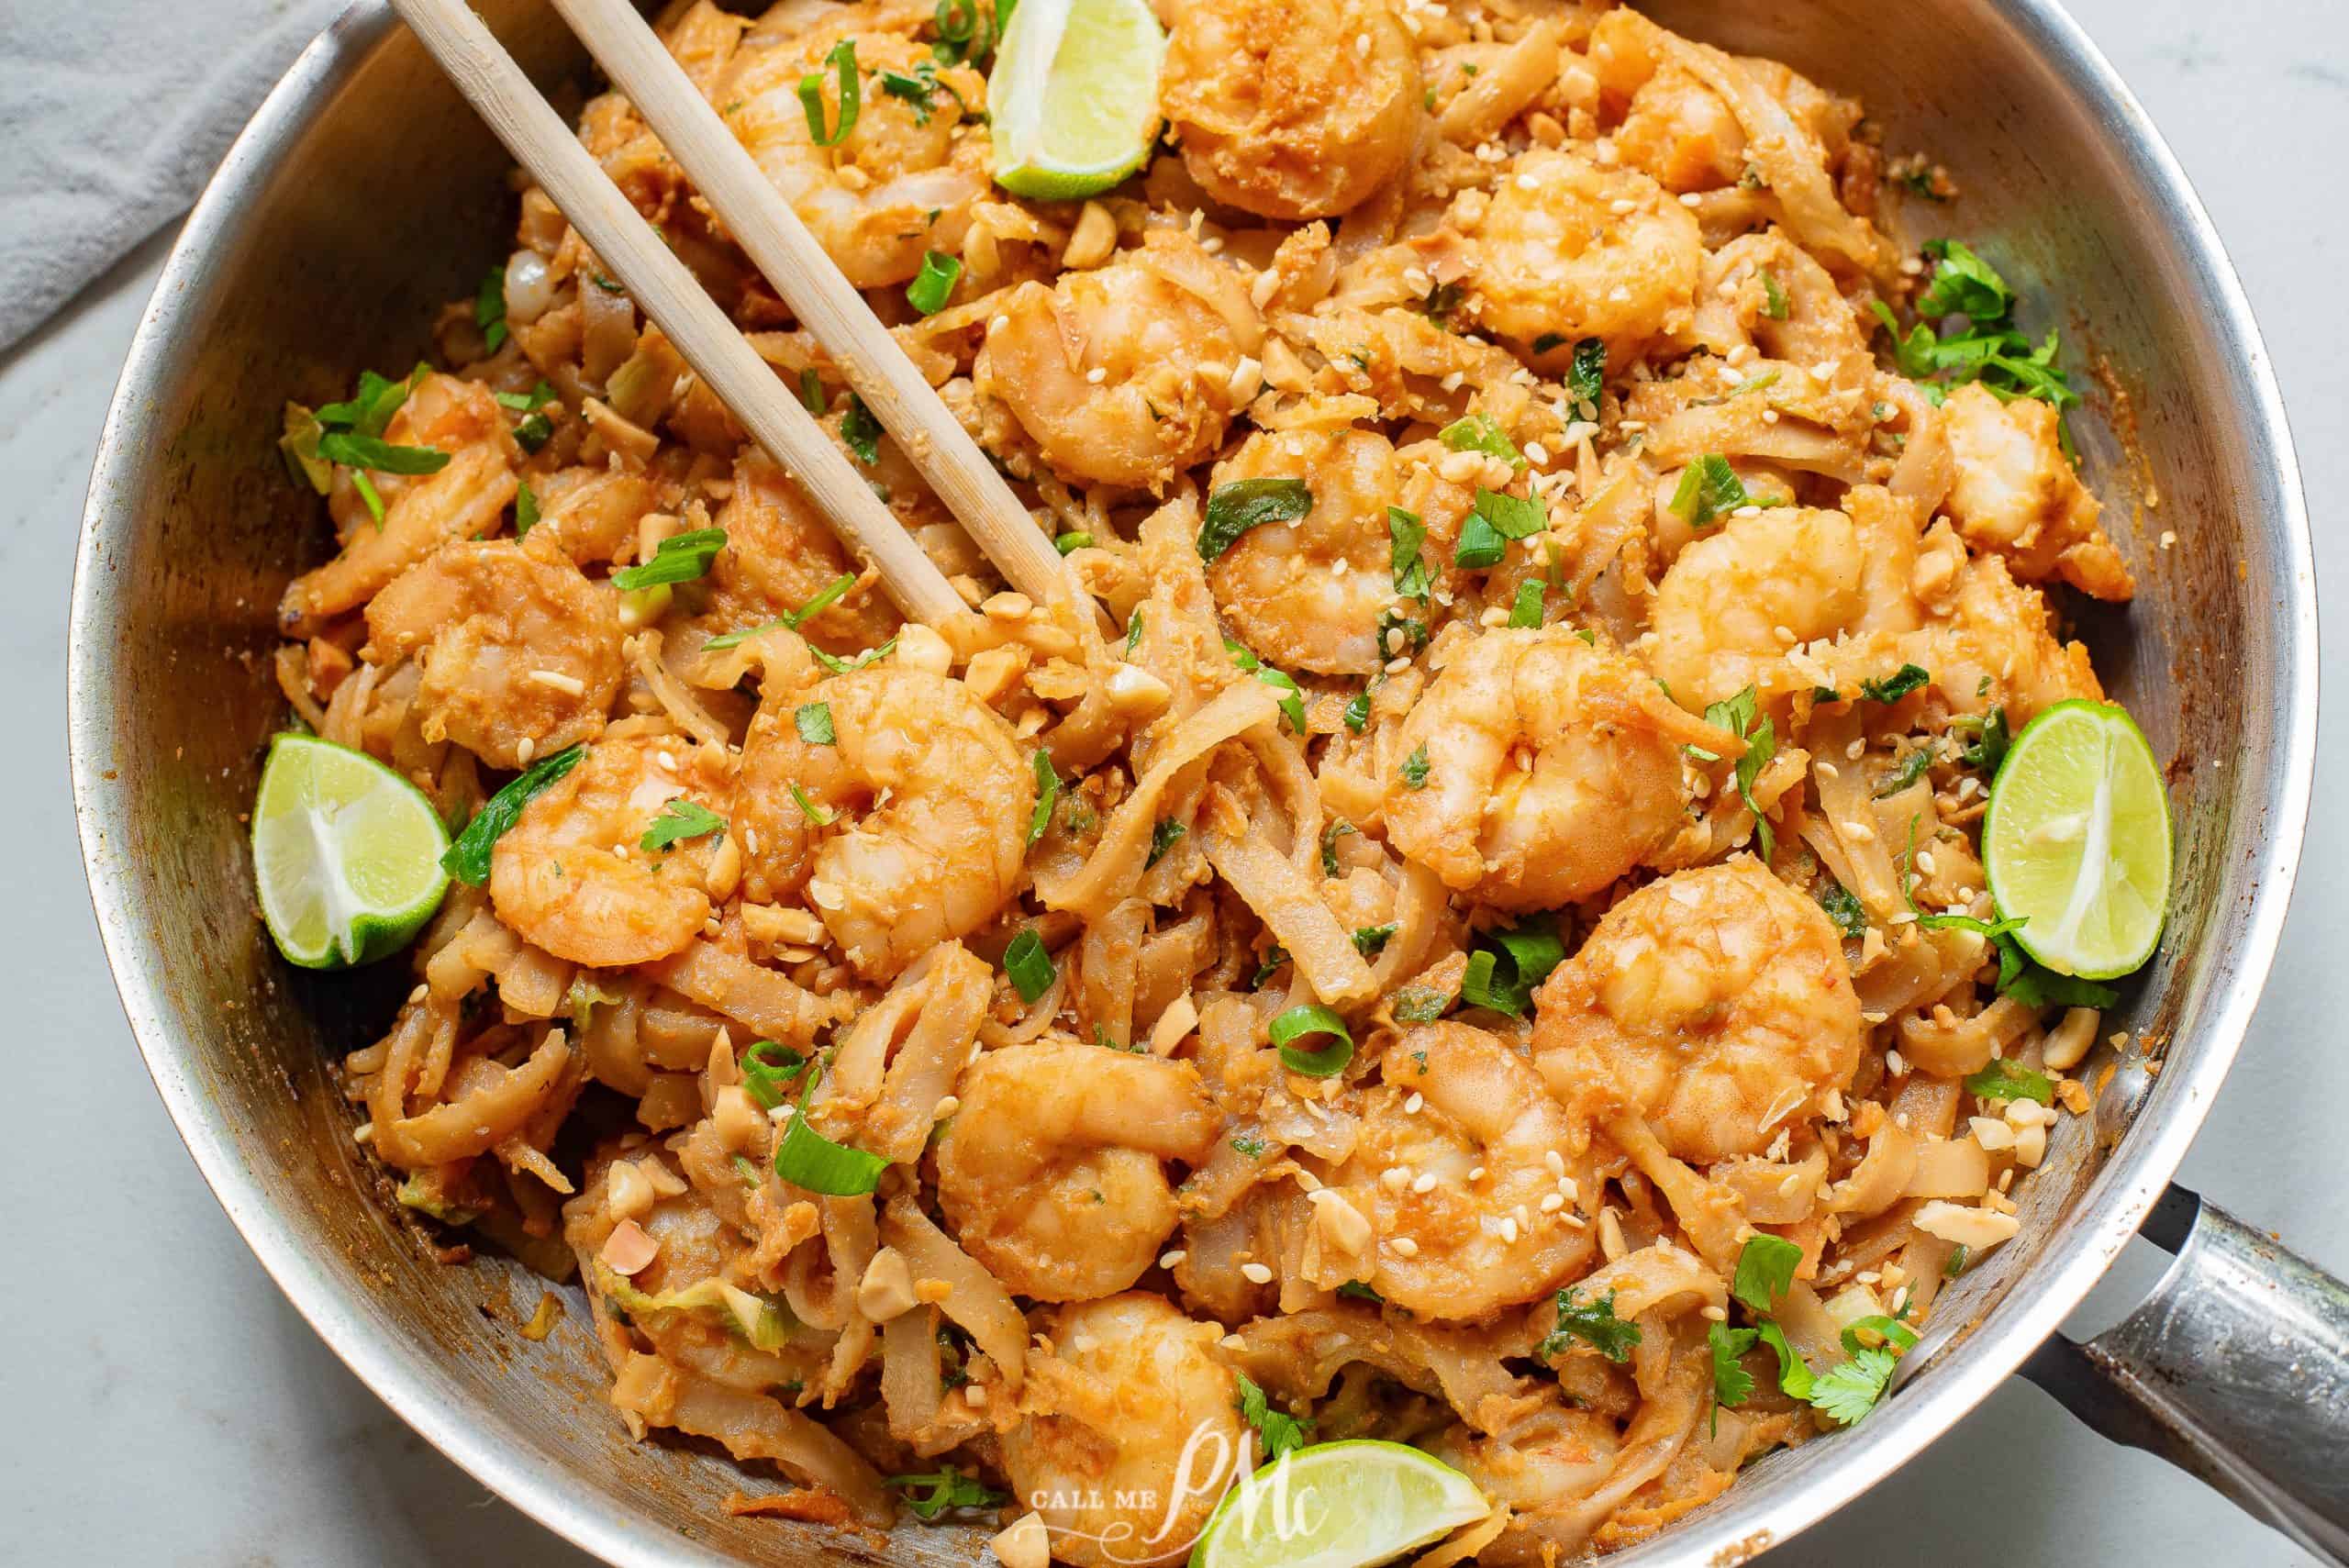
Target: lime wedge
[[346, 855], [2076, 841], [1073, 96], [1344, 1505]]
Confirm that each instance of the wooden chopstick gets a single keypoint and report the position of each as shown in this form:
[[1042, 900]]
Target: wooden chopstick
[[625, 245], [762, 223]]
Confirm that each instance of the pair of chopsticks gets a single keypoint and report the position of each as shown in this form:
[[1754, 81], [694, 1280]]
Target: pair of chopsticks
[[794, 264]]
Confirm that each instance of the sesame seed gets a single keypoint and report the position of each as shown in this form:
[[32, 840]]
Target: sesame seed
[[1095, 376], [1405, 1246], [1168, 1258], [2169, 538], [1411, 1107], [1255, 1274], [1552, 1202], [1554, 1161], [1622, 206], [1476, 1174], [1361, 46], [556, 681], [1690, 198], [523, 747], [1423, 1182]]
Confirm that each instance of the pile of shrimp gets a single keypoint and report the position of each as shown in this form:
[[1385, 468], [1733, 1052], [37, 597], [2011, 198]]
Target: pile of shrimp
[[1607, 850]]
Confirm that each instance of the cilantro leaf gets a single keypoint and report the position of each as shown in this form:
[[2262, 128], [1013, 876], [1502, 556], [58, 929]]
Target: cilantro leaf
[[1895, 686], [1843, 907], [1162, 838], [930, 1495], [680, 820], [1850, 1390], [2007, 1080], [1732, 1384], [1737, 716], [1280, 1432], [1405, 534], [1794, 1372], [1415, 768], [1244, 503], [1592, 1322], [1765, 1270], [1505, 966]]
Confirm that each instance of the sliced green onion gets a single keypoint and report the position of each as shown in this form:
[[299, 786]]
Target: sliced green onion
[[808, 1159], [1029, 966], [934, 286], [1480, 433], [1309, 1020], [1527, 611], [681, 558], [1069, 543], [815, 815], [768, 1069], [1048, 792], [811, 94], [526, 511]]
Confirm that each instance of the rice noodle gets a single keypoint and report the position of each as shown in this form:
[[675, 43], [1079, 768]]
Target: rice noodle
[[1811, 211], [770, 1005], [899, 1059], [1117, 861], [1270, 883], [1954, 1049], [751, 1426], [910, 1390], [475, 1123], [973, 1299]]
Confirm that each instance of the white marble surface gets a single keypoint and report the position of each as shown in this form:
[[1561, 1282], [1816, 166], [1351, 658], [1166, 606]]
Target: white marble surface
[[169, 1407]]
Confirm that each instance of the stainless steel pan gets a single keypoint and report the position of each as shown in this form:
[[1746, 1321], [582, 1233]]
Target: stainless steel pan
[[364, 194]]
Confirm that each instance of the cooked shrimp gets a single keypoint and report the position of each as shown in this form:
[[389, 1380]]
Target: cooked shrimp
[[1715, 1002], [466, 499], [1124, 374], [595, 512], [782, 555], [1735, 600], [1457, 1106], [1307, 594], [2017, 493], [1551, 254], [1552, 768], [521, 653], [1053, 1171], [1998, 648], [902, 181], [1136, 1434], [1291, 111], [915, 820], [572, 876], [1548, 1458]]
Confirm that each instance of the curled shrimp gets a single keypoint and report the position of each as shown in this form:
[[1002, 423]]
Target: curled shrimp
[[908, 827], [1554, 253], [1307, 594], [1124, 374], [1461, 1151], [1053, 1171], [1139, 1432], [521, 652], [1735, 600], [2016, 492], [903, 179], [465, 499], [572, 876], [1291, 111], [1551, 767], [1715, 1003]]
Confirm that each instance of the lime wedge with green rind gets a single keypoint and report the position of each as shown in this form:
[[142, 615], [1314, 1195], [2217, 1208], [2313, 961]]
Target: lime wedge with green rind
[[2076, 840], [1072, 98], [346, 855], [1342, 1505]]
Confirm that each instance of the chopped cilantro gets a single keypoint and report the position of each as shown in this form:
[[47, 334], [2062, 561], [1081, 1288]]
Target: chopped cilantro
[[1592, 1322]]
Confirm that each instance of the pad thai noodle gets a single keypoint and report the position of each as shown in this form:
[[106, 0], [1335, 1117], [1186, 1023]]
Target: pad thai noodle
[[1484, 945]]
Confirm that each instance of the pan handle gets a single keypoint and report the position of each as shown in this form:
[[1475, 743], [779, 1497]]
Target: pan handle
[[2236, 1369]]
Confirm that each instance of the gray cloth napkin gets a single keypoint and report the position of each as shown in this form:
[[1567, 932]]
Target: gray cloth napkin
[[115, 112]]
